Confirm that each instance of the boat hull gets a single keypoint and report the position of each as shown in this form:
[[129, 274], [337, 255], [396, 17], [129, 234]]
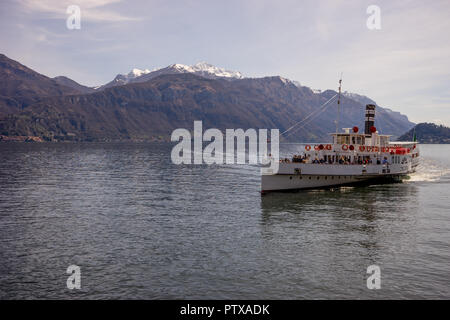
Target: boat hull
[[285, 182]]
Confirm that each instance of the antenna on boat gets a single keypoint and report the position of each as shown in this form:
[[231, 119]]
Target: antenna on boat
[[339, 104]]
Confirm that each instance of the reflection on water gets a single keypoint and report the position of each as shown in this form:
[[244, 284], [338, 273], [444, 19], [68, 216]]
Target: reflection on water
[[353, 200], [367, 212], [140, 227]]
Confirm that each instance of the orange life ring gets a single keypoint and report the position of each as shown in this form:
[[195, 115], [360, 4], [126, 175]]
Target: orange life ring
[[361, 148], [307, 147], [328, 147], [369, 148], [375, 149], [345, 147], [316, 147]]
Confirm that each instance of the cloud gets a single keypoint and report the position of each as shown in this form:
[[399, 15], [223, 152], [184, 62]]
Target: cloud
[[90, 10]]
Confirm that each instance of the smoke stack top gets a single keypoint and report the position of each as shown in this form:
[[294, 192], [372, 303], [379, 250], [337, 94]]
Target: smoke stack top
[[370, 118]]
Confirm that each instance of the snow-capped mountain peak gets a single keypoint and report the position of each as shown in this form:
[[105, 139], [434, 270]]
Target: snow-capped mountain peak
[[134, 73], [182, 67], [204, 67]]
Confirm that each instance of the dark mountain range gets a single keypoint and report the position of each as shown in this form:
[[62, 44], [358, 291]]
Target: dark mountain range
[[428, 133], [21, 86], [62, 80], [153, 109]]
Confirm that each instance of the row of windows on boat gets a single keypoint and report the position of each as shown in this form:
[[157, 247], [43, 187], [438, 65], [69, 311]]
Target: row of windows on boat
[[335, 159], [347, 139], [324, 177]]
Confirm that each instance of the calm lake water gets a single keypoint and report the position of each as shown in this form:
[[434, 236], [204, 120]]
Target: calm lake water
[[141, 227]]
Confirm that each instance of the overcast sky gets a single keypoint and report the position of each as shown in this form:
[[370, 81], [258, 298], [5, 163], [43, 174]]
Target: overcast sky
[[405, 65]]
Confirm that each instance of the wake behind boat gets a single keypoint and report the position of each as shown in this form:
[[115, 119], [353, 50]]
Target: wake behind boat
[[351, 157]]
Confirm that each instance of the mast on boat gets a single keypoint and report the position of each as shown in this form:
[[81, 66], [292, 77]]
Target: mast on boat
[[339, 105]]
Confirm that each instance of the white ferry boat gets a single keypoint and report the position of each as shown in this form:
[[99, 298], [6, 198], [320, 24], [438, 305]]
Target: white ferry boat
[[351, 157]]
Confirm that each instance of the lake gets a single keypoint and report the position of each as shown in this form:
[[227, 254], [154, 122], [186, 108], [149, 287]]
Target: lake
[[139, 226]]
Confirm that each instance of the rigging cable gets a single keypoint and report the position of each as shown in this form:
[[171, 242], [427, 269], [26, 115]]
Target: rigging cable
[[310, 116]]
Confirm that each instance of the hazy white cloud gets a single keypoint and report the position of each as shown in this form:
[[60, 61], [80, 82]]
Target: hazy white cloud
[[91, 10]]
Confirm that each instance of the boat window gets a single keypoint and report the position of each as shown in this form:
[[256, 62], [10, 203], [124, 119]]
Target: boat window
[[343, 139]]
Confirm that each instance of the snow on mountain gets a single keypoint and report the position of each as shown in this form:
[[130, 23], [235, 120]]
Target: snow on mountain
[[181, 68], [202, 69], [296, 83], [122, 79], [133, 74], [137, 73], [219, 72], [206, 69]]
